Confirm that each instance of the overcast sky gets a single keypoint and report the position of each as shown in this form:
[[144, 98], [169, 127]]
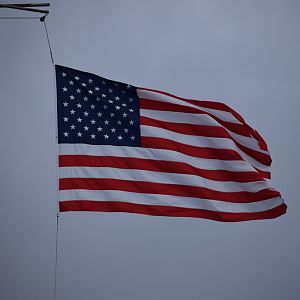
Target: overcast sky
[[243, 53]]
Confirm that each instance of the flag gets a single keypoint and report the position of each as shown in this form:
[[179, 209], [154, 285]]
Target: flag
[[128, 149]]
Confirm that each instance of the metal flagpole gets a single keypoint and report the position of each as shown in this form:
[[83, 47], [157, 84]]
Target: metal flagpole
[[30, 7], [43, 19]]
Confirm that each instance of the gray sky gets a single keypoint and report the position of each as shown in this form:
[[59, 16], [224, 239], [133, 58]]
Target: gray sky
[[243, 53]]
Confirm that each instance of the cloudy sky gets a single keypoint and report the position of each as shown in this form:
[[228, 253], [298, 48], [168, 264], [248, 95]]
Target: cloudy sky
[[243, 53]]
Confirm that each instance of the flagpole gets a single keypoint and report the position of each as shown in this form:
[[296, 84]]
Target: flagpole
[[43, 20]]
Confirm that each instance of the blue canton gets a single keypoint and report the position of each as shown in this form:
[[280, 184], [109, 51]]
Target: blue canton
[[94, 110]]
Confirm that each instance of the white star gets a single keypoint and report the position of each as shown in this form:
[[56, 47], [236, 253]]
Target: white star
[[131, 122], [79, 134], [131, 110], [123, 92], [128, 86], [79, 120], [79, 105], [105, 106], [132, 138], [78, 91], [119, 122], [92, 106], [110, 101], [130, 99], [90, 92], [112, 115], [71, 82], [110, 90], [66, 119], [113, 130], [90, 80], [93, 121], [103, 95], [117, 98], [106, 136], [72, 112], [98, 99], [65, 104], [124, 115], [72, 126], [93, 136], [117, 107], [85, 99], [65, 89], [106, 122], [97, 88], [99, 128], [125, 130], [123, 104], [86, 128], [83, 84], [66, 134], [86, 113], [63, 74], [99, 114], [72, 97], [120, 137], [103, 82], [76, 77]]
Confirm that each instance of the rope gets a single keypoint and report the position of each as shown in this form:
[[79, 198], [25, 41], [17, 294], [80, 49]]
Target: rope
[[43, 19], [56, 255]]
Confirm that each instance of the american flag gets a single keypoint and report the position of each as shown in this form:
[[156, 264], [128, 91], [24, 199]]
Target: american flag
[[136, 150]]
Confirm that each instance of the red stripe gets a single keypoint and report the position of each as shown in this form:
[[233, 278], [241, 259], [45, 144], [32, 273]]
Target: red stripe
[[190, 129], [214, 153], [165, 106], [164, 189], [156, 166], [156, 210], [263, 158], [224, 107], [208, 131], [264, 174], [242, 129], [200, 103], [219, 106]]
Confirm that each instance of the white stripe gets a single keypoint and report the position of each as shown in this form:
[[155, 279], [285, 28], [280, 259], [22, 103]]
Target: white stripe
[[162, 177], [166, 200], [199, 141], [156, 96], [179, 117], [157, 154], [199, 119]]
